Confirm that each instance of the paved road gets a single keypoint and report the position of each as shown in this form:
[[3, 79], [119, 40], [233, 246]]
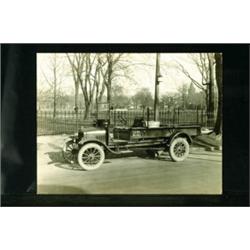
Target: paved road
[[201, 173]]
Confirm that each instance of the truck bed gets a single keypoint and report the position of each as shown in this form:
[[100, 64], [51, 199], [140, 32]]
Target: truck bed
[[137, 133]]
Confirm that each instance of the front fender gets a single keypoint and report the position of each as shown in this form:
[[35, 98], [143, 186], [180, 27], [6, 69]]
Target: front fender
[[85, 141], [70, 138], [89, 140]]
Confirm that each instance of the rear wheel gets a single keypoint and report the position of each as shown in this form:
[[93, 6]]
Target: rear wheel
[[91, 156], [179, 149]]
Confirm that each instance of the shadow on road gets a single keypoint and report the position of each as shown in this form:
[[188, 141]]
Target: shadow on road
[[161, 157], [141, 154], [58, 161]]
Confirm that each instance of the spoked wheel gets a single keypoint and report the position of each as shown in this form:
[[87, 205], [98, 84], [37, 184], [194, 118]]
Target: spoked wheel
[[179, 149], [70, 150], [91, 156]]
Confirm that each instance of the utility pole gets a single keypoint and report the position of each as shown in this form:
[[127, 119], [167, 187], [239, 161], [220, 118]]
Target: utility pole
[[157, 82]]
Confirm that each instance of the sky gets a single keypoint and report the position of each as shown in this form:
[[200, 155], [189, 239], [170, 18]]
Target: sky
[[143, 72]]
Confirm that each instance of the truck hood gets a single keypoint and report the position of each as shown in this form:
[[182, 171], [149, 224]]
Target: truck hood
[[94, 131]]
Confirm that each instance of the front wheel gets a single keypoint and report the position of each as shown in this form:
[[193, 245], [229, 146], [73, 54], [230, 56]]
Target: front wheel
[[70, 149], [179, 149], [91, 156]]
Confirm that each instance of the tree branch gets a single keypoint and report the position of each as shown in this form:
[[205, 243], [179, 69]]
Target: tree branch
[[185, 72]]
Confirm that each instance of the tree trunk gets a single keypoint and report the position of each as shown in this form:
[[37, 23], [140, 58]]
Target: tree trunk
[[183, 101], [76, 96], [211, 91], [54, 94], [218, 124], [206, 97], [207, 104], [109, 87], [97, 108], [87, 110], [76, 102], [101, 92]]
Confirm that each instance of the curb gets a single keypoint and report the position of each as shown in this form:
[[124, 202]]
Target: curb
[[205, 148], [197, 149], [219, 148], [211, 149], [205, 144]]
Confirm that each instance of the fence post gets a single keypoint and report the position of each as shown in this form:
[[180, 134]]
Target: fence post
[[65, 120], [46, 121], [114, 117], [178, 120], [202, 117], [173, 116], [168, 116], [76, 114], [147, 115], [197, 115], [165, 116]]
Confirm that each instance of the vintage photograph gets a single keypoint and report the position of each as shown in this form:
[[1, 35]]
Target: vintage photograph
[[129, 123]]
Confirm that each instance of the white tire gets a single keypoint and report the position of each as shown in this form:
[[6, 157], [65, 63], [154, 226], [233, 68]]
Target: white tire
[[91, 156], [179, 149]]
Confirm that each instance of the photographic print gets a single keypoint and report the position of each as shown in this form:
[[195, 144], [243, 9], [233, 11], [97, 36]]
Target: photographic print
[[129, 123]]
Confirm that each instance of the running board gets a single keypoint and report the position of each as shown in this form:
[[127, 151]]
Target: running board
[[118, 152], [126, 151]]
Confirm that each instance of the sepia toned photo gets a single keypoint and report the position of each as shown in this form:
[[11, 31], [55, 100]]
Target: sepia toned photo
[[129, 123]]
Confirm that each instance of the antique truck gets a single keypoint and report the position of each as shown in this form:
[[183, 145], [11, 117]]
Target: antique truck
[[90, 146]]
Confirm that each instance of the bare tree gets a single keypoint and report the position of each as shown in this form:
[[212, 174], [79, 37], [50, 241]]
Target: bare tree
[[55, 80], [96, 72], [76, 63], [144, 98], [42, 97], [100, 80], [116, 66], [202, 63], [205, 65], [86, 74], [211, 89], [109, 72], [183, 91]]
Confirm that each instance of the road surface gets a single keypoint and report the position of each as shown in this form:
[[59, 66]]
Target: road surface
[[201, 173]]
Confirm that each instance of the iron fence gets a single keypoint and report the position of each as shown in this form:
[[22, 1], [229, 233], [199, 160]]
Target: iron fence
[[64, 122], [68, 122], [166, 117]]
